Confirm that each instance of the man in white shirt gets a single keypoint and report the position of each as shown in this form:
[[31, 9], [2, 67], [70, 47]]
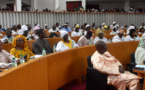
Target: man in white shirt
[[114, 31], [119, 37], [76, 31], [53, 29], [142, 25], [100, 38]]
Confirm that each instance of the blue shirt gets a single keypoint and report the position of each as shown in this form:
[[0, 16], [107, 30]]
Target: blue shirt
[[67, 29], [10, 40]]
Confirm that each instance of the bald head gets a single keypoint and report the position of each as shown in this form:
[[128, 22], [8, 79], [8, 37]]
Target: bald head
[[101, 47]]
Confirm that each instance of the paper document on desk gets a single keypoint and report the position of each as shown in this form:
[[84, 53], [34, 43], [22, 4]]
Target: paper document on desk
[[140, 67]]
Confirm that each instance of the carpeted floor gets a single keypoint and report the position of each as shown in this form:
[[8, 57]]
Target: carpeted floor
[[74, 86]]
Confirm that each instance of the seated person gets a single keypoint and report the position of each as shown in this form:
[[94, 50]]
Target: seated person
[[101, 38], [66, 42], [86, 39], [141, 30], [1, 29], [5, 58], [119, 37], [104, 62], [87, 28], [140, 52], [14, 30], [19, 31], [132, 36], [53, 30], [114, 31], [8, 38], [57, 26], [35, 35], [20, 47], [76, 31], [41, 43], [46, 27], [99, 30], [25, 33], [66, 28]]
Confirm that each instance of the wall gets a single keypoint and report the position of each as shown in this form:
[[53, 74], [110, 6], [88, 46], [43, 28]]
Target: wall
[[43, 4], [138, 4]]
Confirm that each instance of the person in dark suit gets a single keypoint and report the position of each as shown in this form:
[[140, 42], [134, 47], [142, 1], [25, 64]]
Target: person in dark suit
[[41, 43]]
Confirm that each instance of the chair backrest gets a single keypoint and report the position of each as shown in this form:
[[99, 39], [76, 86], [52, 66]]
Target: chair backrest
[[95, 80], [89, 61], [132, 57]]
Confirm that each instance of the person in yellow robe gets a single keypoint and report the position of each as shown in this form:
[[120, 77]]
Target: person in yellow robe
[[20, 47], [104, 62]]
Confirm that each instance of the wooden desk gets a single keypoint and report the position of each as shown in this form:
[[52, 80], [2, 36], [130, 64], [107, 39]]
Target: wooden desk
[[141, 73]]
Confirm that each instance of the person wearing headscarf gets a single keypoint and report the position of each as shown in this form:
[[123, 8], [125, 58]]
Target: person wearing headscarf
[[113, 25], [140, 52], [77, 31], [129, 28], [86, 39], [8, 38], [5, 58], [25, 33], [37, 26], [119, 37], [132, 36], [100, 38], [66, 28], [41, 43], [105, 63], [114, 31], [87, 28], [66, 42], [101, 30], [20, 47]]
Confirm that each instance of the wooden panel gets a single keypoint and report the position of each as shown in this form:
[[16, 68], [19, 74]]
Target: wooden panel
[[57, 69], [29, 76]]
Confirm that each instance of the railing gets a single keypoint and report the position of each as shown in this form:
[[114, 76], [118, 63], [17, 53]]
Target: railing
[[7, 19]]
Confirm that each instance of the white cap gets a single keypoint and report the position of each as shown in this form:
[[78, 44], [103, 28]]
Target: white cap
[[114, 22], [87, 25], [63, 33], [24, 28], [103, 24]]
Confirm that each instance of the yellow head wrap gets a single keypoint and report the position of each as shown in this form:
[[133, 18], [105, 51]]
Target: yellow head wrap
[[105, 26], [25, 41]]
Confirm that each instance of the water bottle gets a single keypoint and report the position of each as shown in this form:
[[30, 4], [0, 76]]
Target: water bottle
[[54, 49], [22, 60], [123, 39], [43, 52], [14, 63], [30, 38], [72, 44], [110, 40]]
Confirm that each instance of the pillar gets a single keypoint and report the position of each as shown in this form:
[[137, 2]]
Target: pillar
[[18, 5], [57, 7], [84, 4], [127, 5]]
